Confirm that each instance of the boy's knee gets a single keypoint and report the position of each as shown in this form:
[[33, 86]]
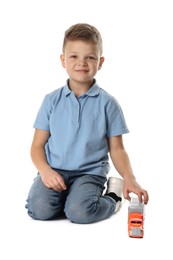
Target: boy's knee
[[81, 212], [40, 210]]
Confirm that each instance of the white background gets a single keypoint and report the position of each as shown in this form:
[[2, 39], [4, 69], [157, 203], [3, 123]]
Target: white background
[[138, 71]]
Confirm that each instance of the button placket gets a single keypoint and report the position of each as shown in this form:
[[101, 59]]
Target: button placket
[[76, 110]]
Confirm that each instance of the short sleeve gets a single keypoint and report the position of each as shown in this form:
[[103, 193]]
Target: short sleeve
[[43, 115], [116, 124]]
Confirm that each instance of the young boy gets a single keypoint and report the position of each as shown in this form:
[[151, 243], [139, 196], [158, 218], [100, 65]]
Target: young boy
[[76, 128]]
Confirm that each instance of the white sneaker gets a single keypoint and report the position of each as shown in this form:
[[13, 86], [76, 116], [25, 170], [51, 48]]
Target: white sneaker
[[118, 206], [115, 185]]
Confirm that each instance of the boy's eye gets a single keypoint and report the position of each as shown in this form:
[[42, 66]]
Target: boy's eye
[[91, 58], [73, 56]]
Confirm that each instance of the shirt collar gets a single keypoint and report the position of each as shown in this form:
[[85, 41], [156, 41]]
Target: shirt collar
[[93, 91], [67, 90]]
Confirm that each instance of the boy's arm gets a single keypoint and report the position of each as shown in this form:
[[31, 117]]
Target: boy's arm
[[50, 178], [122, 164]]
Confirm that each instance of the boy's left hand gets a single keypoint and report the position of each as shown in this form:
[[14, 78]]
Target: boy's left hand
[[131, 186]]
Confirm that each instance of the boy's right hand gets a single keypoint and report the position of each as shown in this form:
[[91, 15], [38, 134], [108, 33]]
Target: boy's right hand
[[53, 180]]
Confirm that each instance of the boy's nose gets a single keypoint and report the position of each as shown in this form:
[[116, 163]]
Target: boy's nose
[[82, 61]]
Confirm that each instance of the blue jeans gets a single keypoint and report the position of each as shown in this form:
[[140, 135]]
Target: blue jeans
[[82, 202]]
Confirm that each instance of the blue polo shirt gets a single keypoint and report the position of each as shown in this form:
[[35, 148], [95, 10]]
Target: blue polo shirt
[[79, 128]]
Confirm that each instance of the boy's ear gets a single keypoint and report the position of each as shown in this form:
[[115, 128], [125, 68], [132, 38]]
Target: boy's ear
[[101, 62], [62, 58]]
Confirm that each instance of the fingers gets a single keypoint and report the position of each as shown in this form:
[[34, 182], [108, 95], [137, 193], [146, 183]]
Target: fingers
[[62, 183], [142, 195], [126, 195], [145, 196], [131, 186], [58, 184], [54, 181]]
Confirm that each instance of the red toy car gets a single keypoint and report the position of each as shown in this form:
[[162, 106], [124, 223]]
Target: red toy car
[[136, 219]]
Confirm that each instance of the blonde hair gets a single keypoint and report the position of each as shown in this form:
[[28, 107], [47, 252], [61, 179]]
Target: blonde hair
[[83, 32]]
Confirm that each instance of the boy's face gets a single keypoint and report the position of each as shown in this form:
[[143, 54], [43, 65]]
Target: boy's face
[[81, 60]]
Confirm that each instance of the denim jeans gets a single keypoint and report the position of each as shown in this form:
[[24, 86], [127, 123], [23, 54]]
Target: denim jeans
[[81, 203]]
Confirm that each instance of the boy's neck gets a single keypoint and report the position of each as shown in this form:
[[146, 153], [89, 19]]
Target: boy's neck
[[79, 89]]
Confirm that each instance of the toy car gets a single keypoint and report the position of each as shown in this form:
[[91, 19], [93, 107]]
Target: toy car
[[136, 218]]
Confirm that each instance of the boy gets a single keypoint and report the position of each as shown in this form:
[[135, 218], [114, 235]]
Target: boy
[[75, 129]]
